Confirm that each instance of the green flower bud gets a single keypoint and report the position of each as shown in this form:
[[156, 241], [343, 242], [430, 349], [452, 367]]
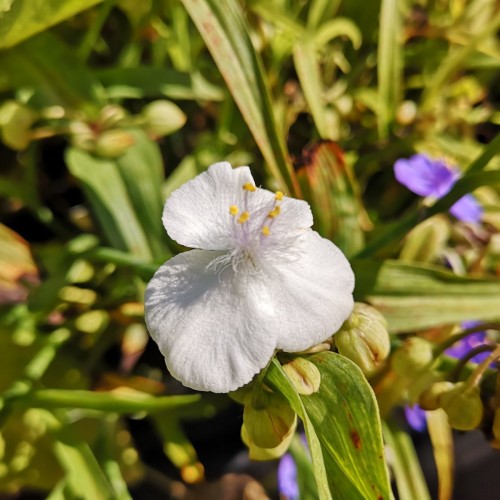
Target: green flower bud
[[412, 357], [429, 399], [406, 113], [163, 118], [463, 406], [92, 322], [15, 124], [257, 453], [363, 338], [304, 376], [81, 135], [269, 423], [111, 115], [113, 143]]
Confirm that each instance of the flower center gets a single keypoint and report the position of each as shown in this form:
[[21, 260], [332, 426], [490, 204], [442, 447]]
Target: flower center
[[252, 225]]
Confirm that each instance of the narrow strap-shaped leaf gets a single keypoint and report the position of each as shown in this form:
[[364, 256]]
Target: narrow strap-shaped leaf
[[417, 296], [107, 194], [306, 64], [389, 66], [141, 168], [442, 447], [223, 27], [408, 474]]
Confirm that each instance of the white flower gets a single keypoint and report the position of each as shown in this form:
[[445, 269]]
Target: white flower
[[260, 280]]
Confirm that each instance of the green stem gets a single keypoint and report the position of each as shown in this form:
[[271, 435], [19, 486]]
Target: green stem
[[94, 31], [104, 401]]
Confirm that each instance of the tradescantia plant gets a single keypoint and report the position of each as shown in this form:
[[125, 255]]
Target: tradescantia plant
[[301, 310]]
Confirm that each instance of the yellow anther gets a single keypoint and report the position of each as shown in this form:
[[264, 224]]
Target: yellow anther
[[233, 210], [266, 231], [274, 212], [249, 187], [279, 195], [243, 217]]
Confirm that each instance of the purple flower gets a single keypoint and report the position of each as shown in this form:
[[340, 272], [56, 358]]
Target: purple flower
[[424, 176], [287, 478], [460, 348], [416, 418], [427, 177]]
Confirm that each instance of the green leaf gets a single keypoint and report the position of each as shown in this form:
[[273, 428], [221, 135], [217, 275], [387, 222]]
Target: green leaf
[[141, 168], [26, 18], [148, 81], [343, 427], [390, 62], [110, 201], [334, 28], [417, 296], [454, 63], [39, 64], [305, 472], [331, 188], [223, 27], [308, 71], [83, 473], [277, 378], [408, 474]]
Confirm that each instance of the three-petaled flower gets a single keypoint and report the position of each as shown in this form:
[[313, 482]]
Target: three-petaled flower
[[434, 178], [259, 279]]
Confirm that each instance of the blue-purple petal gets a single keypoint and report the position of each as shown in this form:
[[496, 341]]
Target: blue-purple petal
[[287, 478], [467, 209], [424, 176], [462, 347], [416, 417]]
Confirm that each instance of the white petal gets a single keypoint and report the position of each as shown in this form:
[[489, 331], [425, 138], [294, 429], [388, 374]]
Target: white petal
[[312, 295], [197, 214], [210, 327]]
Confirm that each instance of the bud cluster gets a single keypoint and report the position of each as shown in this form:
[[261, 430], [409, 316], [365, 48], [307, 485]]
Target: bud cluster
[[107, 135]]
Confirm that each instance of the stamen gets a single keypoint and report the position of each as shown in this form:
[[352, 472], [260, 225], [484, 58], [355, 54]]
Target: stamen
[[279, 195], [274, 212], [233, 210], [249, 187], [243, 217], [266, 231]]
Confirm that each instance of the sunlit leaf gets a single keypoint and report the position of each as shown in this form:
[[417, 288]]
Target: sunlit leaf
[[222, 26], [343, 426], [24, 19]]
